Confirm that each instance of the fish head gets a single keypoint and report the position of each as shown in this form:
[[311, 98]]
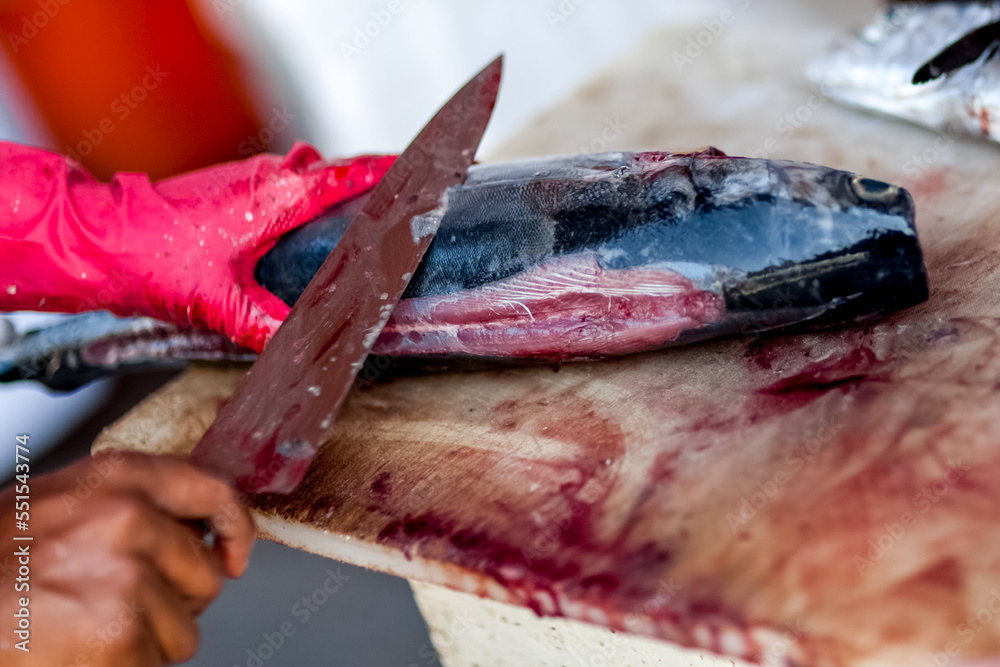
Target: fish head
[[782, 241], [834, 244], [875, 69], [853, 200]]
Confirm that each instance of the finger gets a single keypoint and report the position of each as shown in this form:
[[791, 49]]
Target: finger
[[340, 180], [259, 317], [185, 492], [51, 513], [144, 653], [177, 550], [234, 542], [316, 185], [169, 618], [110, 609], [130, 526], [171, 483]]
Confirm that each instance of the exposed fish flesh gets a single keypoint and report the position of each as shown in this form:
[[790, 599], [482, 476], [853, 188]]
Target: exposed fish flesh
[[597, 255], [934, 64]]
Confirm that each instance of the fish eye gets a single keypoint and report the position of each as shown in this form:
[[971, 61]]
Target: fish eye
[[870, 190]]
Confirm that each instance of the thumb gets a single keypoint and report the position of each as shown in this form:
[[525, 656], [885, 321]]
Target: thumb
[[258, 315]]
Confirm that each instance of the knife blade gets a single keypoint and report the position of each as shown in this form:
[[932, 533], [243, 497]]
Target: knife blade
[[266, 434]]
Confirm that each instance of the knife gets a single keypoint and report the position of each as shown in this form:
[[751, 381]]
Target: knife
[[267, 433]]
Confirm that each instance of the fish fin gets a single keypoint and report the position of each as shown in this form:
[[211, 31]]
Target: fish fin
[[965, 51]]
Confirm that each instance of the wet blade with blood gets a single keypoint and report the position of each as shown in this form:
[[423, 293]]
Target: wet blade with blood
[[268, 432]]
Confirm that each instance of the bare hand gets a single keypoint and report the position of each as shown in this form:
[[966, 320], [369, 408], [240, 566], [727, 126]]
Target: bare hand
[[118, 568]]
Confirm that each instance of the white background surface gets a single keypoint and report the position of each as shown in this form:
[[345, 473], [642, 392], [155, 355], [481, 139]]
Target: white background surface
[[376, 100]]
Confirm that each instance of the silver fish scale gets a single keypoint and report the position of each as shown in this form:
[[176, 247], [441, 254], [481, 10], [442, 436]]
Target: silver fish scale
[[874, 70]]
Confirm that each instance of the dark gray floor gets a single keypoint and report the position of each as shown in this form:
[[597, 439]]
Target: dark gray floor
[[370, 621]]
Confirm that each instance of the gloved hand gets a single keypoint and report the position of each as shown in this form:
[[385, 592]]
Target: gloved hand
[[181, 250]]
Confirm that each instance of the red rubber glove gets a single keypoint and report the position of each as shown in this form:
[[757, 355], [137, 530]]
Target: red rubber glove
[[181, 250]]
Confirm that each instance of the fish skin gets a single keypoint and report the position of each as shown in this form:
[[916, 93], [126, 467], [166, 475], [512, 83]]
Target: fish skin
[[589, 256], [732, 230], [81, 348], [875, 70]]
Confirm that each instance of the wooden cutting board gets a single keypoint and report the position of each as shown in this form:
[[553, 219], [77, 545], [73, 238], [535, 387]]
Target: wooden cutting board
[[834, 492]]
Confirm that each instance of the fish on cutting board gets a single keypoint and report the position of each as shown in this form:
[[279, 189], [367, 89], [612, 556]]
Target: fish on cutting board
[[932, 63], [590, 256], [740, 496]]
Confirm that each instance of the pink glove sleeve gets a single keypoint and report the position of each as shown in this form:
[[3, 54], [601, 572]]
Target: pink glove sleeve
[[181, 250]]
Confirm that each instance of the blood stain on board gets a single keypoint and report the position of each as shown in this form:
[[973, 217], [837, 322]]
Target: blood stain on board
[[930, 186], [756, 352], [543, 558], [381, 488], [814, 381], [505, 416]]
